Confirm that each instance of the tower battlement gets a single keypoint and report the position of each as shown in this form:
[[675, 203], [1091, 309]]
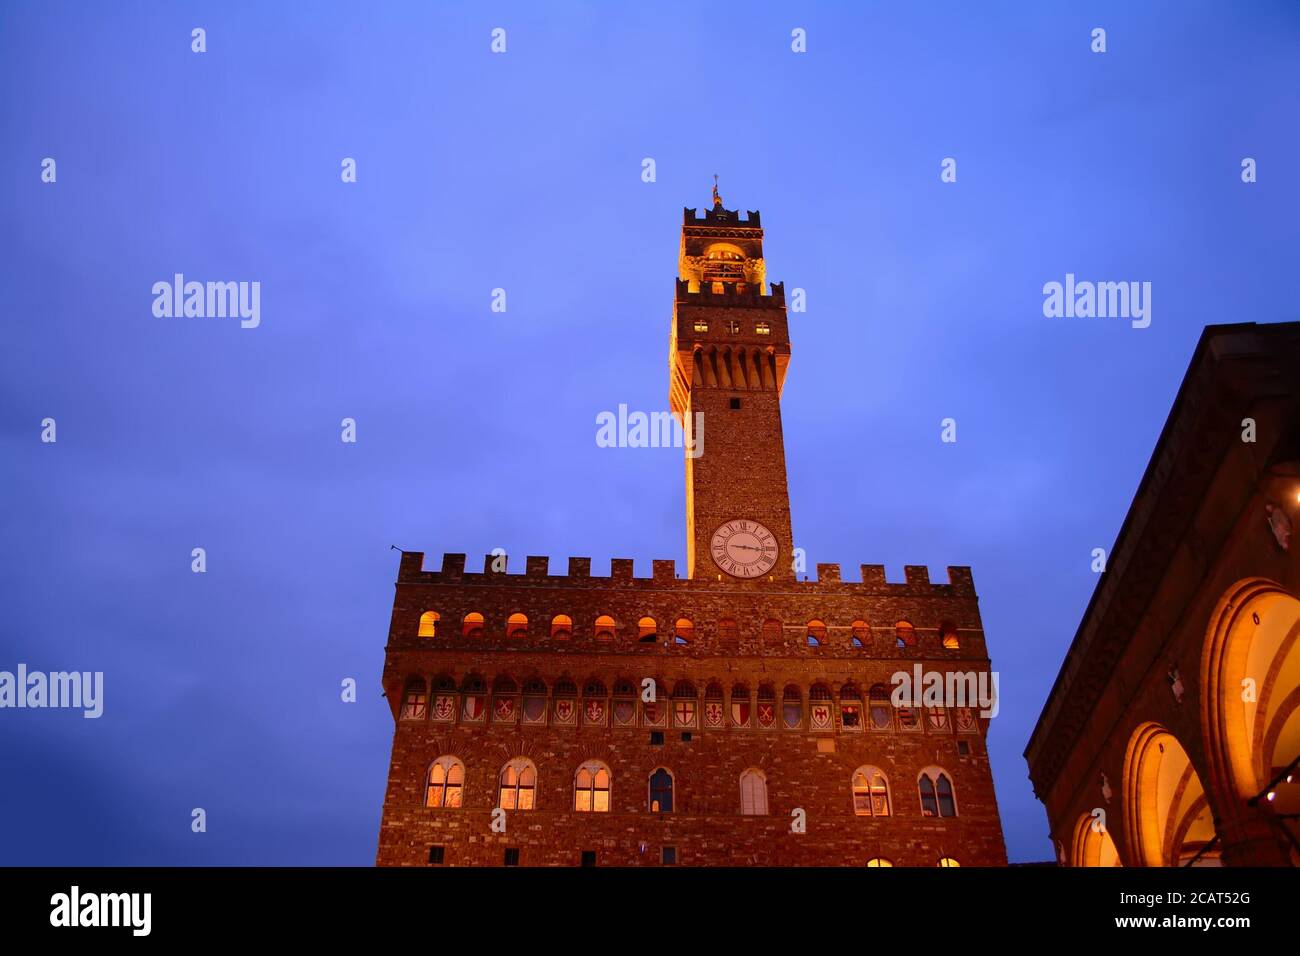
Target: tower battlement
[[537, 571]]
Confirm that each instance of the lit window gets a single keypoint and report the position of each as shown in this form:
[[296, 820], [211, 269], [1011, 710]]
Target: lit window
[[647, 630], [948, 861], [870, 793], [732, 326], [446, 783], [860, 633], [561, 627], [753, 793], [518, 785], [878, 861], [762, 328], [905, 634], [701, 325], [415, 700], [605, 628], [816, 633], [661, 791], [591, 788], [949, 632], [472, 626], [429, 624], [937, 798], [517, 625], [684, 631]]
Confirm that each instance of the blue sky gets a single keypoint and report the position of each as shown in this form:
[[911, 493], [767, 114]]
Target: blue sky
[[476, 429]]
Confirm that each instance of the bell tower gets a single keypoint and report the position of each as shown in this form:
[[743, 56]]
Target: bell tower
[[728, 354]]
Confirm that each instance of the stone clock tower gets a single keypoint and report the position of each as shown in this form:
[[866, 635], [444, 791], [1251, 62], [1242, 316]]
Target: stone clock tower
[[730, 347], [522, 731]]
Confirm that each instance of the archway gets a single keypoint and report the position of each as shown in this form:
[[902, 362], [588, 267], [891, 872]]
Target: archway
[[1251, 702], [1167, 819], [1092, 845]]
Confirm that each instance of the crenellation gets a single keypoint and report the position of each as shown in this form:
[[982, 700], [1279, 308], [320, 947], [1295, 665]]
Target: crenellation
[[917, 575], [536, 567], [579, 567]]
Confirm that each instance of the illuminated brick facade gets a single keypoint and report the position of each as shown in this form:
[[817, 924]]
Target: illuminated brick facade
[[763, 744]]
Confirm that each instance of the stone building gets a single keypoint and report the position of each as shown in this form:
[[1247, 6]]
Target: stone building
[[1172, 733], [740, 714]]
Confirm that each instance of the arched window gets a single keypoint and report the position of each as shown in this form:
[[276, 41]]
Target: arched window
[[534, 703], [429, 624], [740, 706], [472, 626], [792, 707], [878, 861], [937, 797], [446, 783], [473, 699], [661, 791], [595, 706], [948, 631], [882, 710], [870, 792], [518, 785], [647, 630], [816, 633], [860, 633], [771, 631], [948, 861], [714, 711], [624, 703], [850, 708], [561, 627], [444, 698], [766, 709], [683, 631], [517, 625], [753, 793], [728, 631], [505, 693], [415, 699], [821, 708], [605, 628], [905, 634], [591, 788], [564, 703], [684, 701]]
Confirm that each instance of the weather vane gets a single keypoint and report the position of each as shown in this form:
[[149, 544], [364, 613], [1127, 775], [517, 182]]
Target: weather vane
[[717, 199]]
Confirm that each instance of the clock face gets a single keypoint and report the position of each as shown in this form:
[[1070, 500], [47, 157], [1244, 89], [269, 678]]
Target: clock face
[[744, 548]]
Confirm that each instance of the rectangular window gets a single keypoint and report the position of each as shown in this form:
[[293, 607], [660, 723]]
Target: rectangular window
[[669, 857], [588, 857], [656, 738], [735, 403], [686, 736], [512, 856], [963, 748], [436, 855], [701, 325], [762, 328]]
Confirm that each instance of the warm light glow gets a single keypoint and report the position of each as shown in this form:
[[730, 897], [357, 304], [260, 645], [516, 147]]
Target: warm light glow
[[517, 625], [1271, 795]]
